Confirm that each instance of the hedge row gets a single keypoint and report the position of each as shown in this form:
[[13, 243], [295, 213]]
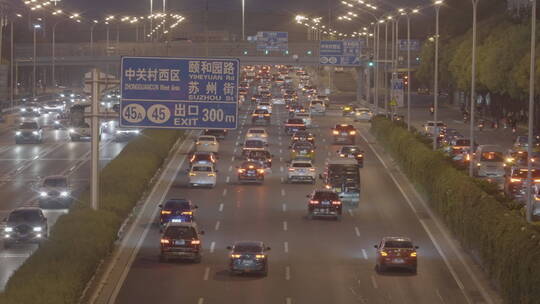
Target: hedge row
[[507, 246], [60, 269]]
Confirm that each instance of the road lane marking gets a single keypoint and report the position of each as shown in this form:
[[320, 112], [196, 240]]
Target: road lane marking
[[288, 301], [350, 212], [287, 273], [284, 207], [281, 159], [324, 140], [217, 225], [280, 151], [201, 301], [439, 295], [281, 168], [224, 192], [212, 247], [285, 225], [282, 179], [329, 154], [364, 253], [235, 149], [282, 192], [206, 273], [232, 158], [357, 231], [221, 207], [230, 168], [15, 255], [228, 179], [374, 282]]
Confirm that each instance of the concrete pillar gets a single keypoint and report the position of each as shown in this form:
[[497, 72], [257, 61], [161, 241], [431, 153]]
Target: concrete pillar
[[360, 83]]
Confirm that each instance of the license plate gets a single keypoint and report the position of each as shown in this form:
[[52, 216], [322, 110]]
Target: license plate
[[179, 242], [261, 116], [399, 261], [326, 203], [303, 152], [344, 134], [247, 262], [351, 156]]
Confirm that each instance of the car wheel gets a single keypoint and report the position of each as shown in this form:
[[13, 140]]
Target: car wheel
[[197, 260], [338, 218], [414, 270], [381, 268]]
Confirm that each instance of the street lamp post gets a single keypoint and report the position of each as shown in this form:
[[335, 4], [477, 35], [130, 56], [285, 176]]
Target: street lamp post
[[95, 22], [473, 85], [35, 26], [530, 207], [243, 19], [54, 52], [386, 64], [409, 72], [377, 59], [436, 76]]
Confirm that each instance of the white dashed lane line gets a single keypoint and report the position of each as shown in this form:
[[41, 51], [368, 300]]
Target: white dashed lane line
[[212, 247], [285, 226], [287, 273], [357, 231], [374, 282], [218, 223], [201, 301], [286, 247], [228, 179], [284, 207], [364, 253], [221, 207], [206, 273], [224, 192]]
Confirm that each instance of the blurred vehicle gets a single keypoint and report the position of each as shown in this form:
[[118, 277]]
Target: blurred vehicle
[[317, 107], [218, 133], [302, 136], [342, 175], [181, 240], [278, 100], [248, 257], [344, 134], [324, 203], [203, 157], [125, 134], [301, 171], [207, 143], [253, 145], [29, 132], [263, 157], [251, 171], [30, 109], [349, 110], [260, 115], [79, 132], [242, 91], [176, 210], [352, 152], [489, 161], [55, 192], [396, 252], [265, 105], [516, 181], [522, 142], [305, 116], [54, 106], [519, 158], [256, 97], [25, 225], [202, 175], [325, 99], [430, 127], [363, 114], [304, 150], [457, 147], [293, 125], [257, 133]]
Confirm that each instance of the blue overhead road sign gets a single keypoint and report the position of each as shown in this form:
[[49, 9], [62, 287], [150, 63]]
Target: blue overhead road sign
[[272, 41], [340, 52], [179, 93]]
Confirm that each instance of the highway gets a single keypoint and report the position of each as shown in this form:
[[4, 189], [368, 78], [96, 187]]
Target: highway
[[22, 166], [311, 261]]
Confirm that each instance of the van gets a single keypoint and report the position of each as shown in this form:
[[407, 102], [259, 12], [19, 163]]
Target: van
[[489, 161]]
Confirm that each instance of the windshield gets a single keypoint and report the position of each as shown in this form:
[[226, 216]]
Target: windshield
[[25, 216], [257, 131], [398, 244], [169, 205], [28, 125], [492, 157], [254, 144], [202, 169], [349, 150], [326, 196], [55, 182], [463, 142], [301, 165], [206, 138], [247, 248], [180, 232]]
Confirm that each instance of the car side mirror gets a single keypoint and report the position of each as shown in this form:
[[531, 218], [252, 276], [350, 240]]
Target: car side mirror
[[217, 171], [376, 246], [195, 207], [160, 206], [268, 248], [229, 247], [308, 196], [416, 247]]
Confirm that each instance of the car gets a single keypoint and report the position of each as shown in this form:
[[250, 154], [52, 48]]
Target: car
[[349, 110], [30, 109], [55, 192], [396, 252], [248, 257], [352, 152], [25, 225], [302, 136], [29, 132], [122, 134], [317, 107], [522, 142], [293, 125], [54, 106], [519, 158], [324, 203], [176, 210], [253, 145], [256, 97], [257, 133], [305, 116], [301, 171], [457, 147], [181, 240], [202, 175], [304, 150], [218, 133], [363, 114], [203, 157], [251, 171], [260, 116], [344, 134], [80, 131], [489, 161], [207, 143], [266, 94], [431, 126], [516, 180], [265, 105], [264, 157]]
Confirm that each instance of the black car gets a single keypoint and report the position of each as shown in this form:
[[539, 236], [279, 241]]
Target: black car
[[249, 257], [260, 116], [29, 132], [218, 133], [251, 171], [176, 210], [344, 134], [25, 225], [263, 157], [352, 152], [293, 125], [181, 240], [324, 203]]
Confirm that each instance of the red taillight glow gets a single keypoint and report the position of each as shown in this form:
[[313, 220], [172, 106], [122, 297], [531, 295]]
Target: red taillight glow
[[195, 242], [187, 213], [313, 202], [165, 241], [166, 212], [336, 203]]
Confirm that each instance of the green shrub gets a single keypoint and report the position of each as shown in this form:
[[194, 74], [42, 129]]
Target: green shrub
[[508, 247], [60, 269]]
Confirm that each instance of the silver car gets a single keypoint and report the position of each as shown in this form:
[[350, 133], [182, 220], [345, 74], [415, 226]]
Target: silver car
[[301, 171], [489, 161], [55, 192], [202, 175]]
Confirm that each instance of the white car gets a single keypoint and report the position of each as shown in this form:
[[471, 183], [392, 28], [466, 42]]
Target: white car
[[431, 127], [306, 117], [265, 105], [257, 133], [279, 100], [363, 114], [317, 107], [301, 171], [202, 175], [207, 143]]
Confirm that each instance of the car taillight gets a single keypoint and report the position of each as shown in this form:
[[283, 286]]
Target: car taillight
[[312, 169], [241, 170], [313, 202], [165, 241], [260, 256], [260, 170], [335, 132], [312, 151], [192, 158], [515, 180], [336, 203], [384, 253], [211, 174], [413, 254], [187, 213], [293, 150], [166, 212], [195, 242], [235, 256], [192, 174], [291, 169], [352, 132]]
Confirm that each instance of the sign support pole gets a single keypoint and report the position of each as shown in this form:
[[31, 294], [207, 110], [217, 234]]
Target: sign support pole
[[95, 141]]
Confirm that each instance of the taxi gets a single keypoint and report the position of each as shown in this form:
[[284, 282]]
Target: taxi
[[304, 150]]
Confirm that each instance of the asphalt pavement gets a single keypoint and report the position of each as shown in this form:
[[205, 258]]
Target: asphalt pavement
[[311, 261]]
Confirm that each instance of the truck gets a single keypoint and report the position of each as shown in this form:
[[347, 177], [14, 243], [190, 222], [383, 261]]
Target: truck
[[342, 175]]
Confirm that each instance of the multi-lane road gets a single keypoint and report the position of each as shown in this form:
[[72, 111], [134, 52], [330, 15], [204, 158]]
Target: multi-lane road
[[311, 261], [22, 166]]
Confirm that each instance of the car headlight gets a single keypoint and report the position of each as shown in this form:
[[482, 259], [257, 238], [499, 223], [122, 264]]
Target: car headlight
[[56, 122], [35, 132], [43, 194], [118, 131], [137, 131], [37, 229], [64, 193], [71, 130], [8, 229], [18, 133], [62, 95], [23, 110]]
